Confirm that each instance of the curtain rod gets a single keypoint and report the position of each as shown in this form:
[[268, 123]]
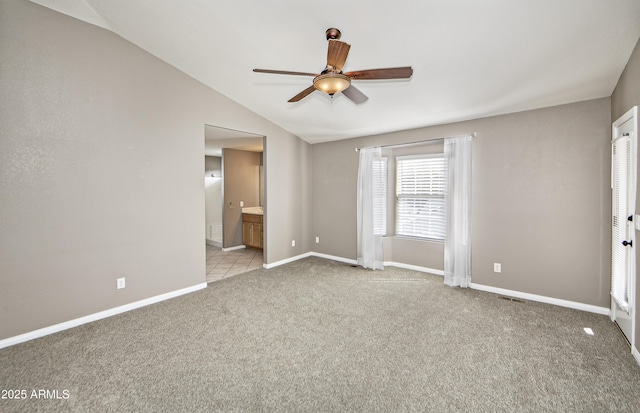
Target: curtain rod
[[397, 145]]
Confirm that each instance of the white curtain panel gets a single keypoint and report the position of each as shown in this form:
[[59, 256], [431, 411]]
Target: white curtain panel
[[370, 253], [457, 244]]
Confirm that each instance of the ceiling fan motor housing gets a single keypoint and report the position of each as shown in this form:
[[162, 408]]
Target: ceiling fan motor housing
[[333, 34]]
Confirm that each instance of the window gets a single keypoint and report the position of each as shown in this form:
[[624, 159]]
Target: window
[[380, 196], [420, 190]]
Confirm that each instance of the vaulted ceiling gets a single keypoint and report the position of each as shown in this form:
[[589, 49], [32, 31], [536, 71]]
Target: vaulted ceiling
[[471, 58]]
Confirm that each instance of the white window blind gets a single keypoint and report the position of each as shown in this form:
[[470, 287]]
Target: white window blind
[[622, 208], [380, 196], [420, 202]]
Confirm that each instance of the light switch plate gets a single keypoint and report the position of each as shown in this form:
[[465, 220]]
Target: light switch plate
[[638, 222]]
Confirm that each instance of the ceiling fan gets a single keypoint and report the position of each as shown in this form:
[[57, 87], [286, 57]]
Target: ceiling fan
[[333, 80]]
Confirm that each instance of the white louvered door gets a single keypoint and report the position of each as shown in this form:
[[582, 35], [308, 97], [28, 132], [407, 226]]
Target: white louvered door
[[623, 177]]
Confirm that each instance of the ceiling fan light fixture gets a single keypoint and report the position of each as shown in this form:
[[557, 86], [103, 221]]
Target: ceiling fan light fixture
[[331, 83]]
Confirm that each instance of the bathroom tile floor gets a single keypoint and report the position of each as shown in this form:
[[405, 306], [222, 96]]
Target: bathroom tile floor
[[221, 264]]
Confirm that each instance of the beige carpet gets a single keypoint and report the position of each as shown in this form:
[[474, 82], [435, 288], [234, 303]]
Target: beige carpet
[[321, 336]]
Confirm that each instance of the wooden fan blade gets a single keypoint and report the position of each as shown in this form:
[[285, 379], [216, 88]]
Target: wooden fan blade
[[389, 73], [302, 94], [337, 54], [284, 72], [355, 95]]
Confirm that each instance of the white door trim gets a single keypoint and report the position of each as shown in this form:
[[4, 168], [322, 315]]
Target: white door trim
[[631, 114]]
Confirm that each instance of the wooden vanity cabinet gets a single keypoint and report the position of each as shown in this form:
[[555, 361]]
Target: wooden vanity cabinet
[[252, 230]]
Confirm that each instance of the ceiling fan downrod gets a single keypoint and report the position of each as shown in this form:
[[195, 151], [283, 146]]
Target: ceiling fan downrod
[[333, 34]]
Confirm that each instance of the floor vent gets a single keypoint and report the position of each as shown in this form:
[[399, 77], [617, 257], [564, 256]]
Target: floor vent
[[515, 300]]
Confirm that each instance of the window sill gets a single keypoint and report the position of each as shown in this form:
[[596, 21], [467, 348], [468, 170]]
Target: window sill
[[433, 240]]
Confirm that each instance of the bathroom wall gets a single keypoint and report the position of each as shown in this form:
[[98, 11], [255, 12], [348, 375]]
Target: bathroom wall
[[241, 174], [213, 199]]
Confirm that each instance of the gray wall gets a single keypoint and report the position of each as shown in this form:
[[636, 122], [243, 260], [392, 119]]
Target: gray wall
[[541, 200], [289, 180], [625, 96], [101, 160], [241, 171]]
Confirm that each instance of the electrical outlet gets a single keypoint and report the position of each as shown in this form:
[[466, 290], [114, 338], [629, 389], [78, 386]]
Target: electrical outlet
[[241, 204], [293, 243], [317, 240], [120, 284], [497, 267]]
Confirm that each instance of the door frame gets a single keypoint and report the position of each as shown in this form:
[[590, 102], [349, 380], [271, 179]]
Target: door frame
[[631, 114]]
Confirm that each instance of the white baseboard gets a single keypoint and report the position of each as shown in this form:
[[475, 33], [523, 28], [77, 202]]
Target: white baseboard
[[353, 262], [286, 261], [335, 258], [214, 243], [237, 247], [414, 267], [310, 254], [636, 354], [97, 316], [542, 299]]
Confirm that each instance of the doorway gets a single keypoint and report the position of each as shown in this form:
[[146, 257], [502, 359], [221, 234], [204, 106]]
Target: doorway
[[222, 209], [624, 222]]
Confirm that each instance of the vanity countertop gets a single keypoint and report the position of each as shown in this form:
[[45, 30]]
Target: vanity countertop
[[253, 210]]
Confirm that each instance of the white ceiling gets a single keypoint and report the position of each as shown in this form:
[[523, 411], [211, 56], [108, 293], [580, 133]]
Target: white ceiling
[[471, 58]]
